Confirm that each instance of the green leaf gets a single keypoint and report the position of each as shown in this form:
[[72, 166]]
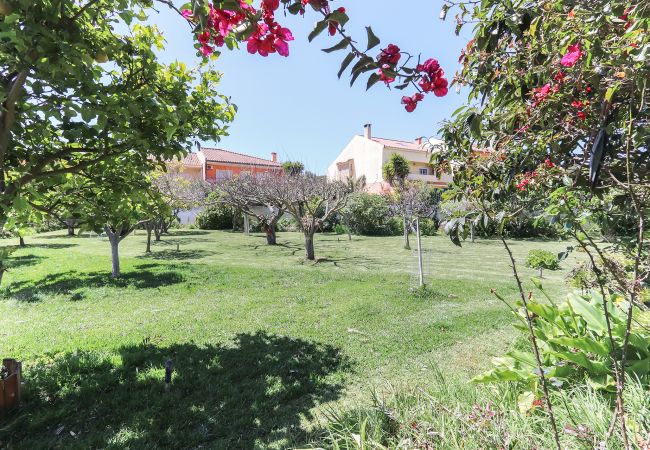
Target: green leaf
[[593, 316], [372, 80], [318, 29], [342, 45], [346, 62], [583, 343], [373, 40]]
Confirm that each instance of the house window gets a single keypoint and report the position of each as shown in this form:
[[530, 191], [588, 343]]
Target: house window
[[224, 174], [424, 171]]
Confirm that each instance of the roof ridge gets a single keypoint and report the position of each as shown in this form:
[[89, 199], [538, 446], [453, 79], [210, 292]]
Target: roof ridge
[[238, 153]]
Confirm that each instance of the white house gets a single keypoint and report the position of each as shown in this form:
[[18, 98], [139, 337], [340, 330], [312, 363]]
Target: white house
[[366, 155]]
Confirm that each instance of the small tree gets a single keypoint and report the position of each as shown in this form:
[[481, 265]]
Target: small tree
[[293, 167], [395, 172], [117, 202], [179, 193], [261, 196], [542, 259], [312, 201]]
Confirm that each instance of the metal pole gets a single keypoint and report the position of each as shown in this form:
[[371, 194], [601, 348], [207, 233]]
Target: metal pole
[[417, 230]]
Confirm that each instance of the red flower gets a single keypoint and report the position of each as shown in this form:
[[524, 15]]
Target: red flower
[[572, 56], [559, 77], [270, 5], [412, 102], [576, 104], [341, 10], [389, 55], [581, 115], [440, 87], [548, 163]]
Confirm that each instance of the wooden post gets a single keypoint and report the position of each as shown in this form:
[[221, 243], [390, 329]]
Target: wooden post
[[10, 387], [420, 269], [168, 374]]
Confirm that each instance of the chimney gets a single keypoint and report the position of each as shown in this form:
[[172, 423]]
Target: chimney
[[367, 131], [274, 157]]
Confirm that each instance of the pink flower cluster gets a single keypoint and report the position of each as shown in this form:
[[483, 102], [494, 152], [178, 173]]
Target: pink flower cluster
[[412, 102], [572, 56], [269, 37], [432, 80], [528, 177], [388, 58]]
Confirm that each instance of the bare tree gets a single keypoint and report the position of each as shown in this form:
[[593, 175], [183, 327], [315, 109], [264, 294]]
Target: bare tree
[[312, 201], [262, 196], [179, 193]]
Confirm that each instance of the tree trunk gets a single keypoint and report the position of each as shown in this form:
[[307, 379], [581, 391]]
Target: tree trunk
[[407, 244], [21, 241], [309, 245], [70, 230], [157, 229], [471, 231], [247, 225], [2, 272], [270, 233], [114, 239], [149, 229]]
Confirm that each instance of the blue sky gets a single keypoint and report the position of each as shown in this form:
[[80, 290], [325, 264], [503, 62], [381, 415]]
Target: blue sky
[[297, 107]]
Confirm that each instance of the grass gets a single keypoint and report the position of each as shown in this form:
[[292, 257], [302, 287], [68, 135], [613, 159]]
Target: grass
[[262, 341]]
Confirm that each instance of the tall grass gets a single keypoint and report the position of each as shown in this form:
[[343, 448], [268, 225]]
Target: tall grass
[[451, 414]]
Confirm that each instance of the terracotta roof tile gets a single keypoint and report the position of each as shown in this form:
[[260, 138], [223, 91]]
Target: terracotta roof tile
[[192, 159], [220, 155]]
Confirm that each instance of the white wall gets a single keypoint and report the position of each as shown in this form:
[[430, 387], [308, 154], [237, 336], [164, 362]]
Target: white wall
[[367, 156]]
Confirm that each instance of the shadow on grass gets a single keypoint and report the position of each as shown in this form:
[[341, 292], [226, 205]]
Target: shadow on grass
[[177, 254], [186, 233], [52, 246], [72, 282], [250, 393], [22, 261]]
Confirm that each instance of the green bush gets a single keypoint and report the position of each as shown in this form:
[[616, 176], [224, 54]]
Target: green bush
[[542, 259], [217, 216], [574, 345], [428, 227], [339, 229], [369, 214]]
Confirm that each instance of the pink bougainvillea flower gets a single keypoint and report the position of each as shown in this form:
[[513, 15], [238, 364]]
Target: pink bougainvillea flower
[[271, 5], [572, 56], [186, 13], [281, 46], [389, 55], [410, 103], [440, 87], [206, 50]]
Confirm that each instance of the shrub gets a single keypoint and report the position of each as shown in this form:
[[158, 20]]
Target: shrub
[[339, 229], [428, 227], [369, 214], [542, 259], [574, 345], [217, 216], [287, 223]]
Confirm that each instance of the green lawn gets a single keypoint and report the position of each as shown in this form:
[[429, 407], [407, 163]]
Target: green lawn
[[262, 341]]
